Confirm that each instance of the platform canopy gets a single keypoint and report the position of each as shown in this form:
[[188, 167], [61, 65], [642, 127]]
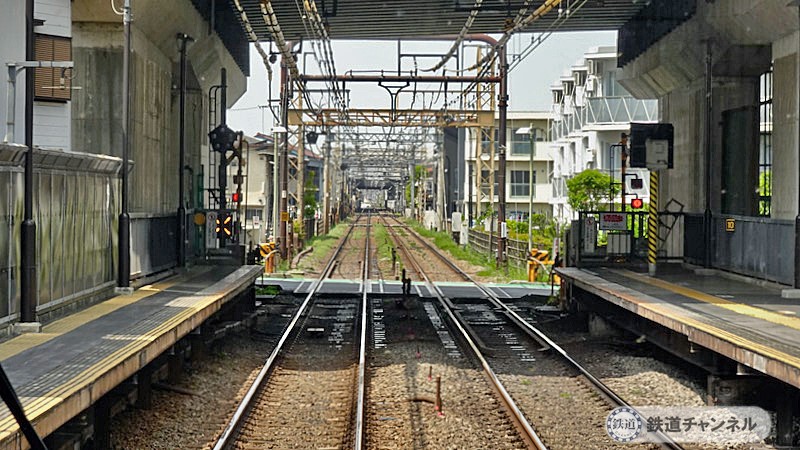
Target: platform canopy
[[406, 19]]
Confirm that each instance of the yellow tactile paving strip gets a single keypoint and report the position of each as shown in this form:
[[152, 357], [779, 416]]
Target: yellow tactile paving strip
[[64, 325], [36, 407], [647, 307], [739, 308]]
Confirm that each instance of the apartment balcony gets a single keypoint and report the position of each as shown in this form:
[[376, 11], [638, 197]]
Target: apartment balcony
[[619, 110], [521, 150], [602, 112]]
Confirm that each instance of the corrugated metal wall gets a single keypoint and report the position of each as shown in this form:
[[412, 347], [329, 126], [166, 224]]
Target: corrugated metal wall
[[758, 247], [153, 246], [76, 223]]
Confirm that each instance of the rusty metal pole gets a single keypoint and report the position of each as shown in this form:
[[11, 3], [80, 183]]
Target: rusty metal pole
[[283, 243], [501, 176], [438, 404]]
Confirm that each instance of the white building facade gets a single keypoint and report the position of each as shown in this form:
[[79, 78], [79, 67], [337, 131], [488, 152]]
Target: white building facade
[[53, 93], [527, 180], [591, 111]]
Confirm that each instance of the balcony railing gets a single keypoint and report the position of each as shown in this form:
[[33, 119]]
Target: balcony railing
[[521, 148], [620, 110], [604, 111]]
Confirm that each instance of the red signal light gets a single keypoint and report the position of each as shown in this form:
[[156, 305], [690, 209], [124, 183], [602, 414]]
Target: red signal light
[[236, 197], [637, 203]]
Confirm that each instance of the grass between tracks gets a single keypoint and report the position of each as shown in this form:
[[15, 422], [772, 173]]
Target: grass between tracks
[[323, 246], [381, 239], [445, 242]]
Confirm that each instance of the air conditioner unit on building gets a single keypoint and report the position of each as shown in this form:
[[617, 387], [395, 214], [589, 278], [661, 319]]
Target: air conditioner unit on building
[[592, 66], [591, 83]]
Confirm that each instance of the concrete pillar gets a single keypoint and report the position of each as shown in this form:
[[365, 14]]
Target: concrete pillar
[[601, 328], [197, 339], [144, 387], [785, 411], [174, 365], [102, 422]]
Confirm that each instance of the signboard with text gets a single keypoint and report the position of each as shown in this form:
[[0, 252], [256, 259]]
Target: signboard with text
[[614, 221]]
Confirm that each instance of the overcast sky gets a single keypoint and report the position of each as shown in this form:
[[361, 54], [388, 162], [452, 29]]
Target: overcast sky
[[529, 83]]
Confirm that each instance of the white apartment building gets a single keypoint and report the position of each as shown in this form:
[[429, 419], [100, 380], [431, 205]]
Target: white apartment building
[[590, 112], [528, 180]]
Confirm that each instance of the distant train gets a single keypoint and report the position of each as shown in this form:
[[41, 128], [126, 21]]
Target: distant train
[[373, 206]]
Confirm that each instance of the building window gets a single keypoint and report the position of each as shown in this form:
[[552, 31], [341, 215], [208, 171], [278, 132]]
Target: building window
[[520, 183], [521, 145], [252, 212], [765, 144], [485, 182], [53, 84]]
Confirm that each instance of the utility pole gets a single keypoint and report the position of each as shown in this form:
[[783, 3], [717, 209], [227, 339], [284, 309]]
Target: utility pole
[[707, 148], [530, 188], [181, 240], [222, 170], [28, 235], [124, 224], [501, 177], [413, 171], [283, 242], [326, 179], [797, 117], [440, 187]]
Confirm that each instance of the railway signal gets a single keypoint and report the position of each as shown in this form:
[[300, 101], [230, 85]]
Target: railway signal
[[222, 138], [637, 203], [224, 226]]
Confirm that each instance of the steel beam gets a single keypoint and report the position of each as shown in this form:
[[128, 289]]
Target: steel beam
[[399, 79], [388, 117]]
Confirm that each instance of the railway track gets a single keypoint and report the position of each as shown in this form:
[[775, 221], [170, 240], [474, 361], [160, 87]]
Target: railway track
[[510, 342], [526, 431], [310, 392]]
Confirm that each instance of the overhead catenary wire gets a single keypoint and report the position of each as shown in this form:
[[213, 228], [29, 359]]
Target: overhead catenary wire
[[464, 30], [271, 20], [114, 8], [553, 27], [535, 43], [535, 15], [253, 37]]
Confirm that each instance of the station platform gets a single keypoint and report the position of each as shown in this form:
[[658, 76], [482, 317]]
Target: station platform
[[299, 286], [746, 322], [74, 361]]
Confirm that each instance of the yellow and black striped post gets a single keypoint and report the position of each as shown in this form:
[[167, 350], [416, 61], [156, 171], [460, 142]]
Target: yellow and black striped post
[[652, 224]]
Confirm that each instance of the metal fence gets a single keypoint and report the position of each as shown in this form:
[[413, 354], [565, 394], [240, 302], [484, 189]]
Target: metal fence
[[153, 246], [486, 244], [608, 236], [752, 246], [76, 228]]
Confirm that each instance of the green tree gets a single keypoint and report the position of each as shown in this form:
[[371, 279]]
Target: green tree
[[310, 196], [764, 192], [419, 174], [590, 189]]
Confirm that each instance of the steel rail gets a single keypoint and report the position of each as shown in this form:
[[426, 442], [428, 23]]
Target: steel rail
[[234, 424], [362, 352], [597, 383], [516, 414]]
